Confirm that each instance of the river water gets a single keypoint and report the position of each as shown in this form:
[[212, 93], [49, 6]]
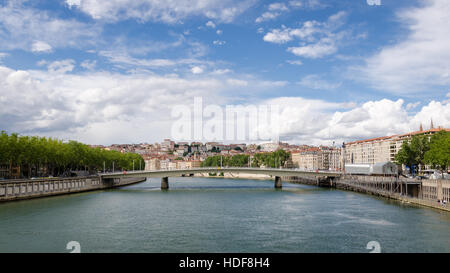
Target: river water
[[220, 215]]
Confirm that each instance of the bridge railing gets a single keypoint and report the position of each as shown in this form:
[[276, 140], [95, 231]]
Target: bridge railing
[[218, 169]]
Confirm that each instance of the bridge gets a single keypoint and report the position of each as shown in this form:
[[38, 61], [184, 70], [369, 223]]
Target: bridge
[[165, 174]]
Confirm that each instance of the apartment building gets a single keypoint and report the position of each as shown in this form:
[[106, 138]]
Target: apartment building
[[317, 158], [152, 164], [381, 149]]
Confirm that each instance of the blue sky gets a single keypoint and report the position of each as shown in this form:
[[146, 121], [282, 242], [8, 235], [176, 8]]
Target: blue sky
[[341, 70]]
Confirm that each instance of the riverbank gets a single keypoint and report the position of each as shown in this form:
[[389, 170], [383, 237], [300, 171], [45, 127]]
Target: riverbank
[[425, 193], [393, 196], [14, 190]]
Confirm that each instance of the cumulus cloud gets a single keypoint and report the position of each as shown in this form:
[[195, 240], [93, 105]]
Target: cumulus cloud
[[320, 122], [317, 39], [162, 11], [105, 106], [421, 60]]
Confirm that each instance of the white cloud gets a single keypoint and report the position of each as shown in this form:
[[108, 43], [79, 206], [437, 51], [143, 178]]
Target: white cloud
[[103, 107], [162, 11], [421, 60], [211, 24], [295, 62], [279, 36], [40, 46], [221, 71], [196, 70], [317, 39], [89, 64], [123, 60], [219, 42], [219, 32], [62, 66], [3, 55], [72, 3], [308, 4], [278, 6], [266, 16], [320, 49], [320, 122], [69, 104], [237, 82], [315, 82], [411, 106], [274, 10], [35, 30]]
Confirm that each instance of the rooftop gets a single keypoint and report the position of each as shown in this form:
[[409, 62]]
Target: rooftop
[[434, 130]]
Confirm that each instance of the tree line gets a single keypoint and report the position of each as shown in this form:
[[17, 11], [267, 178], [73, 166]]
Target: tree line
[[423, 150], [41, 156], [269, 160]]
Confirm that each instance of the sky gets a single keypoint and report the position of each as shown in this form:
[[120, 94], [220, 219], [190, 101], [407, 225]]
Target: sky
[[104, 72]]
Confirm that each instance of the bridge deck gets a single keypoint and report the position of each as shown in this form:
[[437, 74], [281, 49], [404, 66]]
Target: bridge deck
[[178, 172]]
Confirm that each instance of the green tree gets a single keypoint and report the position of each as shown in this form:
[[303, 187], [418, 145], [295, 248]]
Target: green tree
[[405, 155], [412, 152], [46, 156], [438, 155]]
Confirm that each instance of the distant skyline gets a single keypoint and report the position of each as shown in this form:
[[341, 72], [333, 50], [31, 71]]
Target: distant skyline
[[112, 72]]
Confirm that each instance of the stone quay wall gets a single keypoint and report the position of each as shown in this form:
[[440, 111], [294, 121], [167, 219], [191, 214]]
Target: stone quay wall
[[34, 188]]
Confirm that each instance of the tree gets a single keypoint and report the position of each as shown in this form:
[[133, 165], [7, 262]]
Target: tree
[[412, 152], [53, 157], [419, 145], [405, 155], [438, 155]]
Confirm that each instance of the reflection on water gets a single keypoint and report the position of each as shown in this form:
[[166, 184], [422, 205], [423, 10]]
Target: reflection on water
[[220, 215]]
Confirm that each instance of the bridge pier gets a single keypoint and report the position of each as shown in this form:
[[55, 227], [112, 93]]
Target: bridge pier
[[278, 184], [164, 183]]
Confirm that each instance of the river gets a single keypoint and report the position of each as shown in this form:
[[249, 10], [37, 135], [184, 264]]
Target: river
[[220, 215]]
